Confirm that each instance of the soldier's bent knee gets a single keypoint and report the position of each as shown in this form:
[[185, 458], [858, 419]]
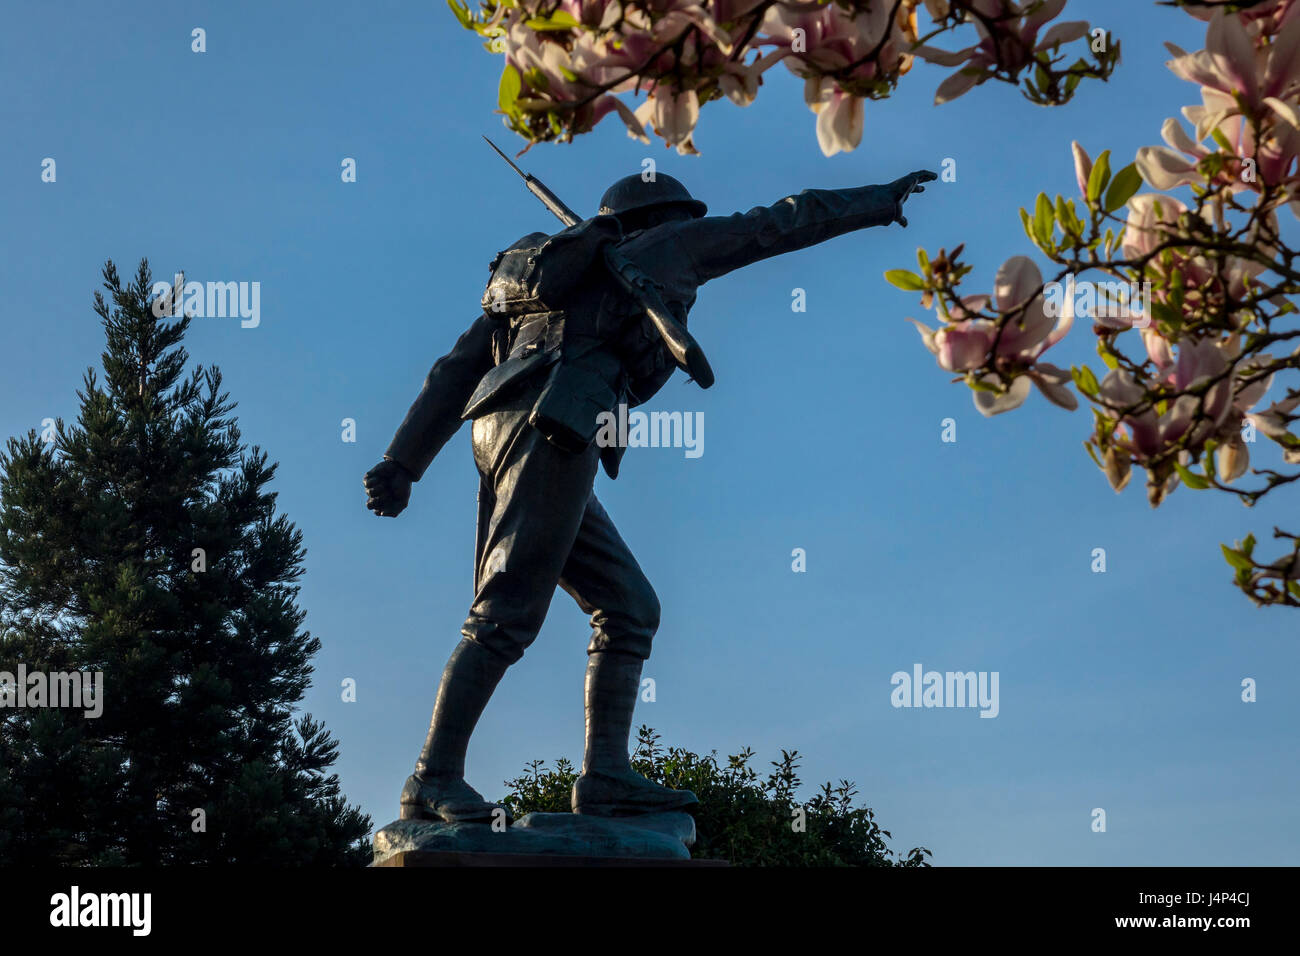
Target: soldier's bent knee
[[649, 610], [629, 628], [504, 641]]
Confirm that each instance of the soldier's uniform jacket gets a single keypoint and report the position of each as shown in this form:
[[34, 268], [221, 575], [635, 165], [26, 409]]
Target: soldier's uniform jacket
[[555, 323]]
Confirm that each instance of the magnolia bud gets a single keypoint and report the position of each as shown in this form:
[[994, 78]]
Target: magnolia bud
[[1082, 167], [1118, 468], [1233, 458]]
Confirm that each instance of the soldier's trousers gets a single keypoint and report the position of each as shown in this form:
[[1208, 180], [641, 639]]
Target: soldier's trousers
[[540, 525]]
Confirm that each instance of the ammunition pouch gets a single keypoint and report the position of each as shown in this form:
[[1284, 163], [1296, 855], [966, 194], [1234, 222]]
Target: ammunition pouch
[[566, 412], [538, 273]]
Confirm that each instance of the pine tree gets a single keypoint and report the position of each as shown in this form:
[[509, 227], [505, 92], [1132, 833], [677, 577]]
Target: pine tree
[[142, 542]]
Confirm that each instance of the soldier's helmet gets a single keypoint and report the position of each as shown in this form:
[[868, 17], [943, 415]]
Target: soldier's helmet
[[633, 192]]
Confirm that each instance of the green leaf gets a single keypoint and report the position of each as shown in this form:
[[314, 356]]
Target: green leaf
[[905, 280], [508, 91], [1066, 217], [1085, 380], [536, 79], [1190, 479], [560, 20], [1099, 177], [923, 261], [1122, 188], [1110, 360], [1028, 224], [1044, 221], [462, 14], [1236, 558]]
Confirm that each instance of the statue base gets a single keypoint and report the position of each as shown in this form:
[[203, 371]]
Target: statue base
[[542, 839]]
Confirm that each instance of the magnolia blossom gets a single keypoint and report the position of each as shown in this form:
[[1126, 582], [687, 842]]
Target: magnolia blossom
[[1189, 420], [576, 66], [1011, 45], [1151, 433], [1275, 422], [1270, 161], [839, 116], [671, 115], [966, 343], [1266, 15], [1152, 223], [1249, 74], [1257, 79], [678, 43], [817, 40], [1233, 454]]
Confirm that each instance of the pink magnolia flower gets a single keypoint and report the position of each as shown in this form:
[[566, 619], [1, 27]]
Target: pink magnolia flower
[[1231, 63], [1275, 422], [1268, 16], [1159, 351], [839, 117], [1152, 219], [1268, 162], [1165, 168], [1233, 457], [672, 115], [965, 343], [1151, 434], [816, 40], [1148, 225], [1011, 47]]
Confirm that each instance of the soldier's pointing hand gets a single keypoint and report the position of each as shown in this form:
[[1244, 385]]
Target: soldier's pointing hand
[[904, 187]]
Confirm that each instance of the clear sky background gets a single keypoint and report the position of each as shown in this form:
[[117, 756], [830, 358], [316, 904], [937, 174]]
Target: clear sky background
[[1118, 690]]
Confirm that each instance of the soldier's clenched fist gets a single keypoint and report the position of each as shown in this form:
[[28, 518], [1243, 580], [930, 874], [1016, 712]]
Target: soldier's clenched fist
[[388, 488]]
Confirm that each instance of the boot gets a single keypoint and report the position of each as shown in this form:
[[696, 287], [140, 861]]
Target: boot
[[609, 787], [437, 790]]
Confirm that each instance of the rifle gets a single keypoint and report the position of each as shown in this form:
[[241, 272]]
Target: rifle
[[686, 352]]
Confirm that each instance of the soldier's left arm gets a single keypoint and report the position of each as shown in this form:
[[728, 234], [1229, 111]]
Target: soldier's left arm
[[721, 244]]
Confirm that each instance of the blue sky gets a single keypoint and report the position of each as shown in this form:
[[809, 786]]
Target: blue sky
[[1118, 690]]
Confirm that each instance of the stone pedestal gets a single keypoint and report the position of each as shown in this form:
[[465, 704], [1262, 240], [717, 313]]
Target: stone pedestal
[[542, 839]]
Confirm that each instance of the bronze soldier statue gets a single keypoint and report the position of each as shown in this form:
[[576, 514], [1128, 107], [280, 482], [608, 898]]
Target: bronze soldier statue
[[559, 342]]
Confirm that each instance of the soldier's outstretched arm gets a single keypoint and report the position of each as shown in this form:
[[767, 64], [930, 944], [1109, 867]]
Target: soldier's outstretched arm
[[433, 418], [720, 244]]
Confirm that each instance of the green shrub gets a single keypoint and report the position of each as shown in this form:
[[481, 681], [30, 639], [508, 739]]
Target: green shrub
[[742, 817]]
